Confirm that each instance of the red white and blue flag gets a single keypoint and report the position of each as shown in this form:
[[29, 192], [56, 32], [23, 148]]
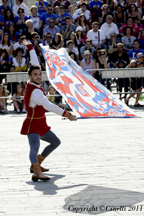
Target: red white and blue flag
[[81, 91]]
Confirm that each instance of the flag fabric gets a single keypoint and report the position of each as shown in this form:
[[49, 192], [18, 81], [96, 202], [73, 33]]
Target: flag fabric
[[83, 93]]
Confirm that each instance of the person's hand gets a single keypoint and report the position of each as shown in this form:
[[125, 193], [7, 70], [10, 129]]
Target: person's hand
[[26, 42], [35, 42], [114, 65], [70, 116], [95, 7]]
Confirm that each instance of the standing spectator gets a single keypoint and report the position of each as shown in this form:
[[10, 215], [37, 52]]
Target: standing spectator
[[3, 102], [141, 39], [12, 33], [20, 21], [62, 16], [51, 28], [89, 47], [133, 53], [4, 7], [88, 63], [18, 102], [134, 13], [66, 3], [48, 38], [29, 29], [42, 6], [35, 17], [71, 48], [95, 7], [68, 28], [6, 44], [105, 11], [119, 16], [97, 36], [8, 18], [128, 39], [20, 44], [82, 22], [5, 61], [20, 4], [109, 27], [134, 26], [57, 42], [83, 10], [19, 62], [35, 42]]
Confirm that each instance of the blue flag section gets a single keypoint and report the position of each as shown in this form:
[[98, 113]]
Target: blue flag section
[[82, 92]]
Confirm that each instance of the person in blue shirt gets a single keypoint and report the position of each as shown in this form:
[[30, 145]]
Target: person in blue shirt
[[133, 53], [4, 7], [41, 6], [2, 21], [8, 18], [46, 16], [62, 15], [12, 33], [95, 8]]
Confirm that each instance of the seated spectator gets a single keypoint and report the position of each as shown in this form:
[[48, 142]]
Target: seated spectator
[[112, 44], [42, 6], [51, 28], [102, 63], [5, 61], [57, 42], [119, 16], [134, 13], [97, 36], [105, 11], [6, 44], [95, 8], [20, 4], [35, 42], [82, 22], [109, 27], [74, 39], [88, 63], [62, 16], [8, 18], [71, 48], [133, 53], [118, 55], [83, 10], [4, 6], [88, 46], [68, 28], [140, 60], [96, 54], [134, 26], [20, 39], [46, 16], [81, 37], [18, 102], [73, 56], [35, 17], [141, 39], [3, 102], [47, 40], [20, 21], [128, 40], [29, 29], [19, 62], [12, 33]]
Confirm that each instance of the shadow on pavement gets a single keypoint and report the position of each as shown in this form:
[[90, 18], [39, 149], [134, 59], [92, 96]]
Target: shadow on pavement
[[97, 200]]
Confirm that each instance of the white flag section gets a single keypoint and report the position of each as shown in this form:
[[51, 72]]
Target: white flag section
[[82, 92]]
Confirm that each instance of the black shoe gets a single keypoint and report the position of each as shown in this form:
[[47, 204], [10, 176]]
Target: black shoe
[[138, 105], [127, 102]]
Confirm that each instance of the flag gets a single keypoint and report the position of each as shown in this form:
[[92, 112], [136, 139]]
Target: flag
[[83, 93]]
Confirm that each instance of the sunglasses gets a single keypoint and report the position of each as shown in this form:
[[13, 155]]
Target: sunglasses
[[50, 9], [22, 38], [102, 53], [51, 22], [36, 37], [48, 37], [21, 12], [113, 36]]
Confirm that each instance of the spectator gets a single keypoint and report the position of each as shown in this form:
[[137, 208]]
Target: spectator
[[109, 27], [97, 36], [128, 40], [57, 42], [19, 44], [35, 17], [5, 61], [78, 4], [51, 28], [141, 39], [46, 16], [48, 38], [96, 54], [140, 60], [89, 47], [2, 23], [4, 7], [20, 21], [73, 56], [42, 6], [134, 26], [8, 18], [62, 16], [74, 39], [3, 102], [105, 11], [133, 53], [19, 62], [115, 3], [134, 13], [35, 42], [20, 4], [83, 23], [68, 28], [6, 44], [112, 44], [83, 10], [136, 2], [119, 16], [12, 33], [71, 48], [95, 7], [18, 102], [29, 29], [118, 55], [11, 86], [81, 37], [88, 63], [66, 3]]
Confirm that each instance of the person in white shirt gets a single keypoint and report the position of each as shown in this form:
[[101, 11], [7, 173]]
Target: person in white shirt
[[71, 48], [109, 27], [19, 3], [19, 62], [83, 10], [97, 36], [20, 39]]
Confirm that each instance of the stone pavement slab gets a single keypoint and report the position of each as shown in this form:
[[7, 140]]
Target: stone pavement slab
[[97, 170]]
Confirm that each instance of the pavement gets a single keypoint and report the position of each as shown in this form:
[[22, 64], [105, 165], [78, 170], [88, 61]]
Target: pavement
[[97, 170]]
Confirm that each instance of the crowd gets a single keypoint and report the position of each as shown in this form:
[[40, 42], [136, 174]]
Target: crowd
[[96, 34]]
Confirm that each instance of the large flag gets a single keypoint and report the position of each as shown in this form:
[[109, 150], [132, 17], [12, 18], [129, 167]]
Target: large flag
[[82, 92]]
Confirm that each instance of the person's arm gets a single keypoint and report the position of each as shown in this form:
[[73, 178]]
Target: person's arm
[[65, 32], [23, 61], [16, 64], [45, 8]]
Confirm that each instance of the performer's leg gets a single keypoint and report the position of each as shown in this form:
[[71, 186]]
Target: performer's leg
[[53, 140], [34, 142]]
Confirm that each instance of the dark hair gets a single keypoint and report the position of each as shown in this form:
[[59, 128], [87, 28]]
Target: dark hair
[[19, 49], [69, 42], [14, 31], [6, 56], [89, 40], [19, 36], [11, 16], [79, 19], [20, 9], [75, 57], [130, 11], [82, 35], [20, 1], [34, 34], [119, 6], [16, 89], [141, 32], [130, 18], [136, 40], [33, 67], [122, 61], [128, 27], [59, 39], [2, 41], [49, 5], [67, 17], [62, 5], [75, 38], [83, 3]]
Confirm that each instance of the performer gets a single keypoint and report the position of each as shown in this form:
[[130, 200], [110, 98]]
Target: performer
[[35, 126]]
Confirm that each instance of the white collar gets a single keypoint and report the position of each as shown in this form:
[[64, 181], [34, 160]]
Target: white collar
[[35, 84]]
